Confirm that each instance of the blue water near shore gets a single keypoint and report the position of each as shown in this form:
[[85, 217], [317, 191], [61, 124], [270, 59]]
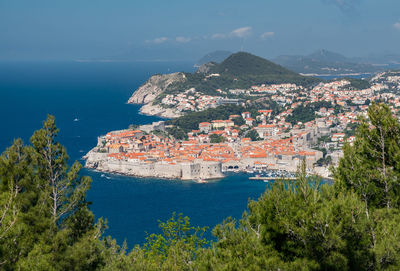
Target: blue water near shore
[[96, 95]]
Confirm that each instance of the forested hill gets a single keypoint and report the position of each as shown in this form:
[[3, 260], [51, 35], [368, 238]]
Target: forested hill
[[240, 70], [243, 63]]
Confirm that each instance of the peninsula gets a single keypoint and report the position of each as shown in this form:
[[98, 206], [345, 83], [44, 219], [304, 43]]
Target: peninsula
[[265, 119], [212, 84]]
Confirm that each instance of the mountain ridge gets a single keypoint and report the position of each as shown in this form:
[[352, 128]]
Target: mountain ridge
[[325, 62]]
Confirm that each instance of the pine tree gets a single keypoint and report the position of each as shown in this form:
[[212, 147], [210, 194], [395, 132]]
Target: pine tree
[[63, 189], [18, 196], [371, 167], [45, 223]]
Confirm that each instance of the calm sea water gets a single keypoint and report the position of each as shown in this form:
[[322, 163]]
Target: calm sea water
[[96, 94]]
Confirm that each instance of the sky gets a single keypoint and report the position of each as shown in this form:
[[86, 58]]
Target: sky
[[160, 30]]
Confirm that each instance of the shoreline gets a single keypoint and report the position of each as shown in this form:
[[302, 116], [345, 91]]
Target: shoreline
[[161, 114], [226, 174], [202, 170]]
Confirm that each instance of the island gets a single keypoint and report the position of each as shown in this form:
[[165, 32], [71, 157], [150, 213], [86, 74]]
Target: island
[[245, 114]]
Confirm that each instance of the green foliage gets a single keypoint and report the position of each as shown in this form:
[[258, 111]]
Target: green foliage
[[253, 135], [214, 138], [176, 248], [46, 224], [191, 120], [256, 70], [301, 114], [324, 161], [387, 234], [358, 84], [239, 121], [324, 139], [307, 113], [351, 129], [64, 190], [372, 165], [177, 132], [295, 226]]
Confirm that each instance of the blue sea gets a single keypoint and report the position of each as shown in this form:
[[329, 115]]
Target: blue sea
[[96, 94]]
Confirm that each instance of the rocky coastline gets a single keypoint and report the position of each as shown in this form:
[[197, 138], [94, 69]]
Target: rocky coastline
[[151, 89], [150, 109]]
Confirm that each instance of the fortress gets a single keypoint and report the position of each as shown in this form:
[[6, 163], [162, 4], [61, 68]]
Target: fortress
[[185, 171]]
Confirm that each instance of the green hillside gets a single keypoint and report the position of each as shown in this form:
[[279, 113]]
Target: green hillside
[[243, 63], [240, 70]]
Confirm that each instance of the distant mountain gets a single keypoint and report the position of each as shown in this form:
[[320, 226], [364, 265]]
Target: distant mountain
[[327, 56], [216, 56], [386, 61], [326, 62]]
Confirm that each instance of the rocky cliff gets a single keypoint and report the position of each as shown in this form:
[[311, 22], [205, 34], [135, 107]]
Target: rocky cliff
[[155, 86], [156, 110]]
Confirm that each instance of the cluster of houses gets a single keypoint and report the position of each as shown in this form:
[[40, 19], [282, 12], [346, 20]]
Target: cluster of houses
[[280, 144], [190, 101], [139, 148], [274, 88]]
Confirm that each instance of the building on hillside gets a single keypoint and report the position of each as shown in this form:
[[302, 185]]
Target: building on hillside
[[205, 127], [246, 115], [267, 130], [337, 137], [249, 121], [216, 124]]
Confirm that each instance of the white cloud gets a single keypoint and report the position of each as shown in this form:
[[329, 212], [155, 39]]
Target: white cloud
[[266, 35], [157, 40], [242, 32], [397, 25], [218, 36], [183, 39]]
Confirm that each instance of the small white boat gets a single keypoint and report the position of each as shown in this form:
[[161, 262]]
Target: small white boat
[[102, 175], [108, 177], [76, 119], [201, 181]]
